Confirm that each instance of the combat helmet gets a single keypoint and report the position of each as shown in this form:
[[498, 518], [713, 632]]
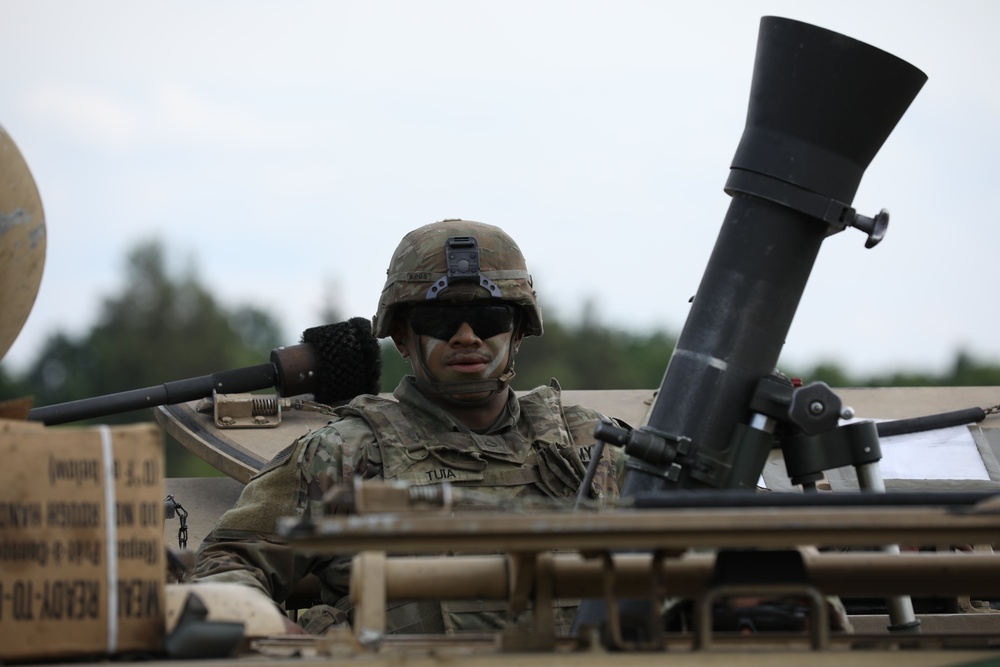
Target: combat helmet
[[457, 259]]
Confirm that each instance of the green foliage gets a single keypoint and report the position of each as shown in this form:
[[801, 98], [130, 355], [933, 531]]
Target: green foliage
[[966, 372], [592, 356], [827, 371], [12, 387], [588, 356], [159, 328], [394, 367]]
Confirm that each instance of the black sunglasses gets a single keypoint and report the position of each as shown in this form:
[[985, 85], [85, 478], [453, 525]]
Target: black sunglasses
[[442, 322]]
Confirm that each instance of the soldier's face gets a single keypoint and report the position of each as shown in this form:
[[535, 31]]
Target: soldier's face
[[465, 356], [460, 343]]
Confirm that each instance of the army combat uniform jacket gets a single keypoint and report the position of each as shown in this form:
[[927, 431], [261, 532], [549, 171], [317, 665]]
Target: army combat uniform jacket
[[538, 448]]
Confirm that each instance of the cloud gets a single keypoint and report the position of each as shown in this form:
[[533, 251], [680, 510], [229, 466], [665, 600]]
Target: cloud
[[91, 114], [183, 114]]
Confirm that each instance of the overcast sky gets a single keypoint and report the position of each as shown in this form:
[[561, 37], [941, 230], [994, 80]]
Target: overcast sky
[[283, 148]]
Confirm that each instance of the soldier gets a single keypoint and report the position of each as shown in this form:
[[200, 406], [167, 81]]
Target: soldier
[[457, 303]]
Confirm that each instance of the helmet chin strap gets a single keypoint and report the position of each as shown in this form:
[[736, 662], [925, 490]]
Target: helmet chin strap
[[451, 391]]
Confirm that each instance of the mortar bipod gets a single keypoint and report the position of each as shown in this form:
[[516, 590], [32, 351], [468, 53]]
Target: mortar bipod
[[823, 445]]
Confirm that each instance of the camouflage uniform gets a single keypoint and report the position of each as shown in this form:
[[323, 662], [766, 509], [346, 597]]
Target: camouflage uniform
[[538, 448]]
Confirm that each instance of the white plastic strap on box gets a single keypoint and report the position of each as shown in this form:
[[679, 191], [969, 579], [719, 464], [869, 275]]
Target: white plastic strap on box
[[111, 535]]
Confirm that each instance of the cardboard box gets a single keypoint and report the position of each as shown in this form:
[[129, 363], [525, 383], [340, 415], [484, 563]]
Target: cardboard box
[[82, 567]]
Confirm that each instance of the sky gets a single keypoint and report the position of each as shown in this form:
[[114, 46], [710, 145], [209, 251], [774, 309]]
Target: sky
[[283, 149]]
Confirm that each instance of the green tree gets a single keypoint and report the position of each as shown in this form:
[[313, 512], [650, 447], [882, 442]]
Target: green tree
[[12, 387], [592, 355], [965, 372], [829, 372], [394, 367], [161, 327]]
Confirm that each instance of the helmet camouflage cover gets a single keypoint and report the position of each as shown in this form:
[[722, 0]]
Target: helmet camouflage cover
[[430, 263]]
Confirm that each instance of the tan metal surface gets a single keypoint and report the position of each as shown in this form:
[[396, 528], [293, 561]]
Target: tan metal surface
[[22, 241], [406, 653], [240, 453], [574, 576], [480, 532], [906, 402]]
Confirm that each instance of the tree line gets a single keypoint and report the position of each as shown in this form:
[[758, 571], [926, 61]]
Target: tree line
[[165, 326]]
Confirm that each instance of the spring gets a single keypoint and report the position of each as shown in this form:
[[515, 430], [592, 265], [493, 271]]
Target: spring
[[265, 405]]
